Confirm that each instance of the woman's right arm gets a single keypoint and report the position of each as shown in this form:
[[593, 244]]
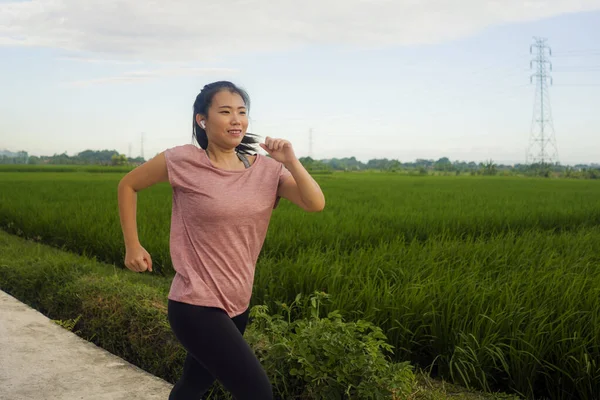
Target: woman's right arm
[[150, 173]]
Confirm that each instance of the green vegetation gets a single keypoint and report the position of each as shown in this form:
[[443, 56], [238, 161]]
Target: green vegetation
[[126, 313], [87, 157], [443, 166], [489, 281]]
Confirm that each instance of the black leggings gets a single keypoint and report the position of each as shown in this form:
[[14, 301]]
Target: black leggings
[[217, 350]]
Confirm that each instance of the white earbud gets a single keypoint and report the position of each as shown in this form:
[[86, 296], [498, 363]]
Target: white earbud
[[202, 124]]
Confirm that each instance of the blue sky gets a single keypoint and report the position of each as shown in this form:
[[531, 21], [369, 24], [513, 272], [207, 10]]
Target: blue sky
[[372, 79]]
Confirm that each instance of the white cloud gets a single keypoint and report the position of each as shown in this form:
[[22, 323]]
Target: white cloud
[[146, 75], [193, 30]]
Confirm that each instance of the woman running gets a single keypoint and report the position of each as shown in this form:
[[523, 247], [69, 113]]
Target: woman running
[[223, 198]]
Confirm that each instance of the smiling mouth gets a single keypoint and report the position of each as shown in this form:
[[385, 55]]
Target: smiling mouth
[[235, 131]]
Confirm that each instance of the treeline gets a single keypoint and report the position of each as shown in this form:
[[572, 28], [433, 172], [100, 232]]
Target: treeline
[[443, 166], [87, 157]]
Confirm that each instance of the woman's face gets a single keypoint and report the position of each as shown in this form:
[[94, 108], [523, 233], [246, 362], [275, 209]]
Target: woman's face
[[227, 119]]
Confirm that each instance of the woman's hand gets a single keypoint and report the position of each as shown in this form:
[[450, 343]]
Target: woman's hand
[[138, 259], [279, 149]]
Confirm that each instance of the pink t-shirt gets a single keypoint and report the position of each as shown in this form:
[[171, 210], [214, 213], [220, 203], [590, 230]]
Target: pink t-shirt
[[219, 222]]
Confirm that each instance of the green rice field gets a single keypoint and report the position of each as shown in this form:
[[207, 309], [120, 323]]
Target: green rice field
[[492, 282]]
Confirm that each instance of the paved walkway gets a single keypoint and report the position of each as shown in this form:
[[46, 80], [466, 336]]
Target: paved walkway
[[41, 360]]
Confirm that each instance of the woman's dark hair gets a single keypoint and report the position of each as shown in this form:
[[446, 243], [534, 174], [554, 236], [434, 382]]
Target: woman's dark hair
[[201, 106]]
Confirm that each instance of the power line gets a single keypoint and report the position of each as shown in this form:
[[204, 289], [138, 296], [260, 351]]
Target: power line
[[542, 143]]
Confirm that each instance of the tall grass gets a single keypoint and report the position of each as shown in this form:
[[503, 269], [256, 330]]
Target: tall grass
[[75, 210], [515, 311], [493, 282]]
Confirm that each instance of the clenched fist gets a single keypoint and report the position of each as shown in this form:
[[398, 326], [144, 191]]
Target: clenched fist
[[138, 259]]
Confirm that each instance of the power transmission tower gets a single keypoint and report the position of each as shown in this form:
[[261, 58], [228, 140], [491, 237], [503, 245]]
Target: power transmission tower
[[542, 147], [142, 151]]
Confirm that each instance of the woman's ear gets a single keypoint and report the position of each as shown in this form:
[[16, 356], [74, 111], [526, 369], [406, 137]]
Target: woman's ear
[[200, 120]]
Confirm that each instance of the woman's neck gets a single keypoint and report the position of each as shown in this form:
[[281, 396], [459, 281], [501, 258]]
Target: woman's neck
[[225, 158]]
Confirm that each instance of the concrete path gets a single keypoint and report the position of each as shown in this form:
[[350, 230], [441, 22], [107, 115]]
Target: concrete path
[[41, 360]]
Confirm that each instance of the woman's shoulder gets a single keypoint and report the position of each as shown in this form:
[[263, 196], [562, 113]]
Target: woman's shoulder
[[183, 147], [181, 151]]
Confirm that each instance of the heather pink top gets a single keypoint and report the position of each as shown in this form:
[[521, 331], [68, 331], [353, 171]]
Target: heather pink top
[[218, 225]]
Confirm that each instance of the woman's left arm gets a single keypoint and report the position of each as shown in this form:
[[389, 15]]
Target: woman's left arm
[[300, 188]]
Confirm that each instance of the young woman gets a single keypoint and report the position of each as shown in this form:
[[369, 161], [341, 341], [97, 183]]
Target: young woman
[[223, 198]]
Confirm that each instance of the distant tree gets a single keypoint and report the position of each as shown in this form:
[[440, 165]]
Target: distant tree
[[443, 164], [119, 159], [489, 168], [136, 161], [394, 165], [314, 165], [61, 159], [103, 157]]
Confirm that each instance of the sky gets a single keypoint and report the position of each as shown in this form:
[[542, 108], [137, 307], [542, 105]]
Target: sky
[[372, 79]]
